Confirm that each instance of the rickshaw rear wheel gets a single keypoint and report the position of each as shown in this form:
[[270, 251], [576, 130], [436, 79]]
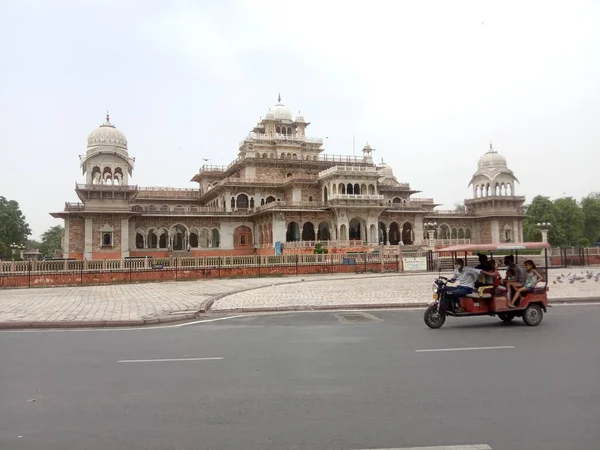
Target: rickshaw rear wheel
[[434, 317], [533, 315], [506, 317]]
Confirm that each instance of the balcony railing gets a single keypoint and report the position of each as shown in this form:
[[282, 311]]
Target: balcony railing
[[351, 170], [289, 205], [106, 187], [70, 206], [329, 243], [355, 197], [281, 138], [167, 192], [451, 212]]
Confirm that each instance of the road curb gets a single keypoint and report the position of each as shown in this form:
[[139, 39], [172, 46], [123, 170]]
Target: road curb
[[96, 323]]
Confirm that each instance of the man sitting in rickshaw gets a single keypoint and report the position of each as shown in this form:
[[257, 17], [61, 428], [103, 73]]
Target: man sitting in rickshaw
[[466, 277]]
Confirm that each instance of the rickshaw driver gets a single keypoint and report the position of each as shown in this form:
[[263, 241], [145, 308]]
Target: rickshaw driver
[[466, 277]]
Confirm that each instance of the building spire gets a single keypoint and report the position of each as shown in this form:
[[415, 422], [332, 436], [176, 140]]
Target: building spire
[[107, 117], [279, 97], [491, 148]]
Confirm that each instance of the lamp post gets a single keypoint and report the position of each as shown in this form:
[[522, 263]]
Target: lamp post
[[431, 227], [14, 248], [544, 227]]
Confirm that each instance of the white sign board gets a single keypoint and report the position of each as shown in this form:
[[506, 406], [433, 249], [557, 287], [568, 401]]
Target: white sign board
[[415, 264]]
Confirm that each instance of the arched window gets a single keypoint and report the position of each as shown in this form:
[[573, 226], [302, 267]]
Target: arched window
[[152, 240], [278, 130], [242, 237], [203, 238], [350, 189], [252, 203], [308, 232], [215, 241], [270, 199], [293, 232], [193, 240], [310, 199], [289, 175], [162, 241], [164, 208], [107, 239], [139, 240], [356, 189], [262, 201], [242, 201], [232, 203]]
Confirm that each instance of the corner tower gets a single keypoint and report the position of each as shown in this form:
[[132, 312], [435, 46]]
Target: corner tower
[[496, 207]]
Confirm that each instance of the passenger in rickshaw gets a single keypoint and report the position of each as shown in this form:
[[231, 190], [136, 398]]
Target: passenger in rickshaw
[[532, 277], [486, 264], [519, 276], [466, 277]]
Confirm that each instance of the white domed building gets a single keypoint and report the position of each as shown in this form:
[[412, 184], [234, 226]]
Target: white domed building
[[281, 188]]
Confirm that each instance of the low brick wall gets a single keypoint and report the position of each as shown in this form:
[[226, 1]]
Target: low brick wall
[[171, 274]]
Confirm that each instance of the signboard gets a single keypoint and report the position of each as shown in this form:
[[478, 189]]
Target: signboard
[[277, 248], [415, 264]]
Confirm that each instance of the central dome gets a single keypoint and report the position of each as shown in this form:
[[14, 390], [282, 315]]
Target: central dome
[[491, 159], [279, 111], [107, 135]]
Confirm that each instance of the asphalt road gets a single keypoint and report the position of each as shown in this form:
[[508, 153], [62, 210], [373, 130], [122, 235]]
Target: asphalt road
[[307, 381]]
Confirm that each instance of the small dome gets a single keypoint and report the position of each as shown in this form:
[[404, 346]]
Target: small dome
[[300, 119], [269, 115], [107, 135], [491, 159], [384, 170]]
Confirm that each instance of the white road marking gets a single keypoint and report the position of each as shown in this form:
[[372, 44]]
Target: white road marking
[[170, 360], [442, 447], [185, 324], [459, 349]]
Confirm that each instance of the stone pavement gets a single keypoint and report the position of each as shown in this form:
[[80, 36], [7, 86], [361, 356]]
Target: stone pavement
[[148, 303], [385, 292]]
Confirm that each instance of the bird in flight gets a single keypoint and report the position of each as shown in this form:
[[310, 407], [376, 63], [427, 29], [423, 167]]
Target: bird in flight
[[206, 159]]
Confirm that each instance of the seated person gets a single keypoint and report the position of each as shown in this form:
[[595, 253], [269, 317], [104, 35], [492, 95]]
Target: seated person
[[487, 265], [519, 276], [466, 277], [532, 278]]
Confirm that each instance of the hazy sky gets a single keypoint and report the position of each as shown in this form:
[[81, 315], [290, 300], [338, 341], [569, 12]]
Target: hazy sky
[[427, 83]]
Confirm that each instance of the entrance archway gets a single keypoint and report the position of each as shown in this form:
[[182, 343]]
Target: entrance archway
[[343, 234], [179, 238], [394, 234], [242, 237], [293, 232], [382, 233], [308, 232], [355, 229], [323, 233]]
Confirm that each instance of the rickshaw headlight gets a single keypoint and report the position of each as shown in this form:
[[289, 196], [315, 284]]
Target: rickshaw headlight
[[434, 288]]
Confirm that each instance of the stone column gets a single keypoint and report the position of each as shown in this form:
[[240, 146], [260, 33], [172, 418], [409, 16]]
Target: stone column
[[124, 238], [387, 235], [88, 238], [65, 246], [417, 231]]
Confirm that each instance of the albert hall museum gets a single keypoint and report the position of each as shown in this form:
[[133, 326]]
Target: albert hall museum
[[280, 193]]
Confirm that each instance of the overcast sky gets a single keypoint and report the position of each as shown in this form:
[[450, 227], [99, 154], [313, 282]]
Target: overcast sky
[[427, 83]]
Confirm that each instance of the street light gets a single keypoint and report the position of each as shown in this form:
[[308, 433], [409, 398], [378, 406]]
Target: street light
[[544, 227], [14, 248], [431, 227]]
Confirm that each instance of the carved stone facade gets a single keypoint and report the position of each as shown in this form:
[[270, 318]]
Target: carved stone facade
[[280, 188]]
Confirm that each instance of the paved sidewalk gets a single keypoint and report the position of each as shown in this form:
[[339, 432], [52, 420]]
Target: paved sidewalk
[[148, 303], [385, 292]]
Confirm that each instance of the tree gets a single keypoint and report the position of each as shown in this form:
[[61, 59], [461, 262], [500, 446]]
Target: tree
[[459, 207], [591, 217], [13, 227], [541, 209], [51, 240], [568, 221]]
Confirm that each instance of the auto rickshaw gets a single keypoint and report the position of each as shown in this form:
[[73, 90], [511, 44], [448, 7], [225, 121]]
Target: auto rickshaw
[[489, 300]]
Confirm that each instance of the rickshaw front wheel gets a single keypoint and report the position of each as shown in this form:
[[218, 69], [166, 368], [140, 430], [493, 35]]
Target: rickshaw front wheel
[[434, 317]]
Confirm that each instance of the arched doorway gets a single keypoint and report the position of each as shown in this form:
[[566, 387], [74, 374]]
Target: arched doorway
[[407, 236], [308, 232], [178, 238], [323, 232], [382, 233], [152, 240], [325, 194], [162, 241], [293, 232], [394, 238], [444, 232], [242, 237], [355, 229]]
